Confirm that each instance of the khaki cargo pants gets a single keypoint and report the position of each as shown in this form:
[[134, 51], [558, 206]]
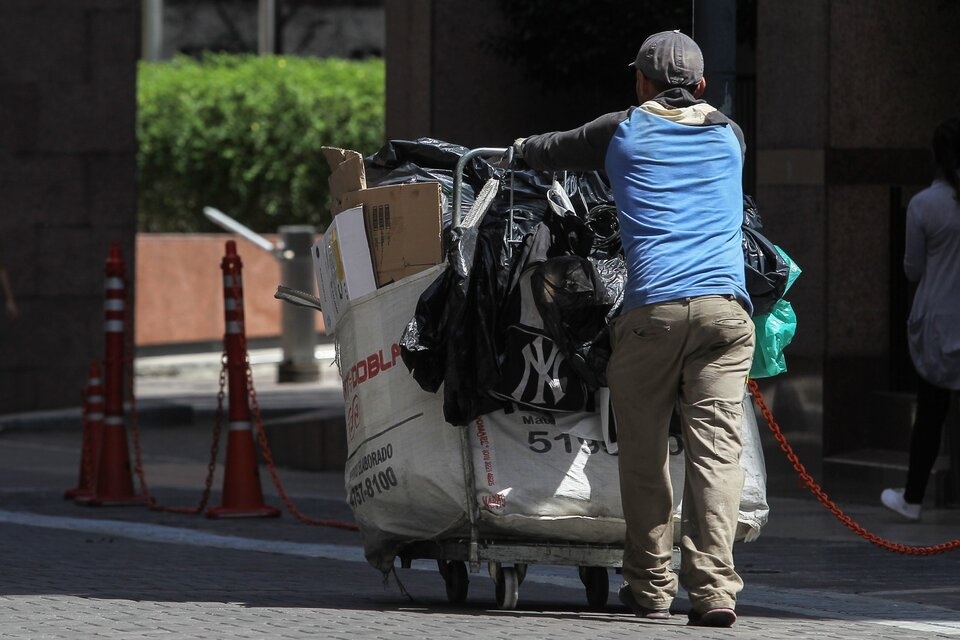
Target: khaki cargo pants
[[693, 353]]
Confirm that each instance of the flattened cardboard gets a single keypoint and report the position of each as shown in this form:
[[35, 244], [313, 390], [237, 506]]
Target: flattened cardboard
[[347, 174], [341, 260]]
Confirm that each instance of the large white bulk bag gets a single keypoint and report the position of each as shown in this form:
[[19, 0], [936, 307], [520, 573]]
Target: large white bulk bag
[[543, 477], [404, 471]]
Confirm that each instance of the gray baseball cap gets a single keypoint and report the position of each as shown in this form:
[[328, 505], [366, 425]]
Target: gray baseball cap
[[670, 58]]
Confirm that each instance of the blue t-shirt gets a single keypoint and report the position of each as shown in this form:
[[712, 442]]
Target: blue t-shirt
[[680, 201]]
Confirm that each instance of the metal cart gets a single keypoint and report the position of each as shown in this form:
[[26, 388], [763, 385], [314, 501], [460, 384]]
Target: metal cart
[[507, 558]]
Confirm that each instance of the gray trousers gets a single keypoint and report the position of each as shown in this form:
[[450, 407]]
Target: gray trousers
[[694, 354]]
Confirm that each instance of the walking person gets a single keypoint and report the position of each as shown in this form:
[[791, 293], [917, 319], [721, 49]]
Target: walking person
[[684, 337], [932, 259]]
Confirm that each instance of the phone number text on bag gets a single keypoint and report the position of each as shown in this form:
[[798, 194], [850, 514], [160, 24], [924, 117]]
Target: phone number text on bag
[[372, 486]]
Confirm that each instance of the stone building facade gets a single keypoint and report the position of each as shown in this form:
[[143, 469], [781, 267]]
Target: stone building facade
[[337, 28], [845, 96], [67, 185]]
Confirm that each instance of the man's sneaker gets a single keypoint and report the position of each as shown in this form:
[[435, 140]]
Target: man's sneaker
[[626, 597], [893, 499], [719, 617]]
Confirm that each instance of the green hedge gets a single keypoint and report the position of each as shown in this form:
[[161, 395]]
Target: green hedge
[[243, 134]]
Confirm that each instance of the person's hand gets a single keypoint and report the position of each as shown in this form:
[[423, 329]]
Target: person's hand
[[12, 311], [518, 148]]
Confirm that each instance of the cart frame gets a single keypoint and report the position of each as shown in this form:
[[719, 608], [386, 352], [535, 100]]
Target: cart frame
[[507, 558]]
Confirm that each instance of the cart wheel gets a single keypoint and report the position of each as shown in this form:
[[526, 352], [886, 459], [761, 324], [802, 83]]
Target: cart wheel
[[598, 585], [455, 578], [508, 588], [521, 573]]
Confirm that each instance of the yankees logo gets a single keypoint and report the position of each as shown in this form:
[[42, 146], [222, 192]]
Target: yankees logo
[[546, 368]]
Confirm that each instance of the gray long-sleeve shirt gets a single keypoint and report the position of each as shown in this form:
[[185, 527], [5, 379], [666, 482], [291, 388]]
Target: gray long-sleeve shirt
[[932, 258]]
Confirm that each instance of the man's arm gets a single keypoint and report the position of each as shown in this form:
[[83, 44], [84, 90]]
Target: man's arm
[[580, 149]]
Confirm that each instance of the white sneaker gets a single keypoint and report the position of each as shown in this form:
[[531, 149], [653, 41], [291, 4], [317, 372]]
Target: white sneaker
[[893, 499]]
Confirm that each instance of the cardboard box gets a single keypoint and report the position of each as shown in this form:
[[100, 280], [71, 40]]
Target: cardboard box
[[403, 222], [347, 174], [341, 260]]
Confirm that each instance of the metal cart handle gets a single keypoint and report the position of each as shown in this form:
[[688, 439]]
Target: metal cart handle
[[506, 152]]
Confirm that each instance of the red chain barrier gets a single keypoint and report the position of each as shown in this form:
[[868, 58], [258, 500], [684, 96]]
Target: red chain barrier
[[233, 269], [820, 495], [211, 465], [272, 468], [138, 468], [233, 291]]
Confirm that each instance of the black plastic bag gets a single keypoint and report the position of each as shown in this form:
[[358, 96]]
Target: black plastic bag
[[534, 370], [423, 346], [427, 160], [573, 302], [766, 270], [462, 306], [556, 316], [465, 333], [433, 154]]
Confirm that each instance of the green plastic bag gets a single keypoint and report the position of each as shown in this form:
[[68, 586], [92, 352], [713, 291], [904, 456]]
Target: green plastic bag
[[795, 270], [774, 331]]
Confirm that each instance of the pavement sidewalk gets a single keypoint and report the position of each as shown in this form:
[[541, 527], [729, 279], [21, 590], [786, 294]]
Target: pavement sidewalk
[[71, 571]]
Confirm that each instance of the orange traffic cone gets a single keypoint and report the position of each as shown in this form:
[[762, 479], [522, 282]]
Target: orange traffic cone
[[242, 496], [114, 485], [92, 430]]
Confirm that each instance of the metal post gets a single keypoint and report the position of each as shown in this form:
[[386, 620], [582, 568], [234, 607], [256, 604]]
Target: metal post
[[267, 27], [299, 335], [152, 29]]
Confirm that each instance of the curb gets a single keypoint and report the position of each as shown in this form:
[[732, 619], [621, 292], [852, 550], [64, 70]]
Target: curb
[[150, 413]]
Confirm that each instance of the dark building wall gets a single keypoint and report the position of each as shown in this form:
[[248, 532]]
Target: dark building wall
[[791, 136], [338, 28], [848, 94], [67, 185], [409, 45], [882, 130], [445, 79]]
